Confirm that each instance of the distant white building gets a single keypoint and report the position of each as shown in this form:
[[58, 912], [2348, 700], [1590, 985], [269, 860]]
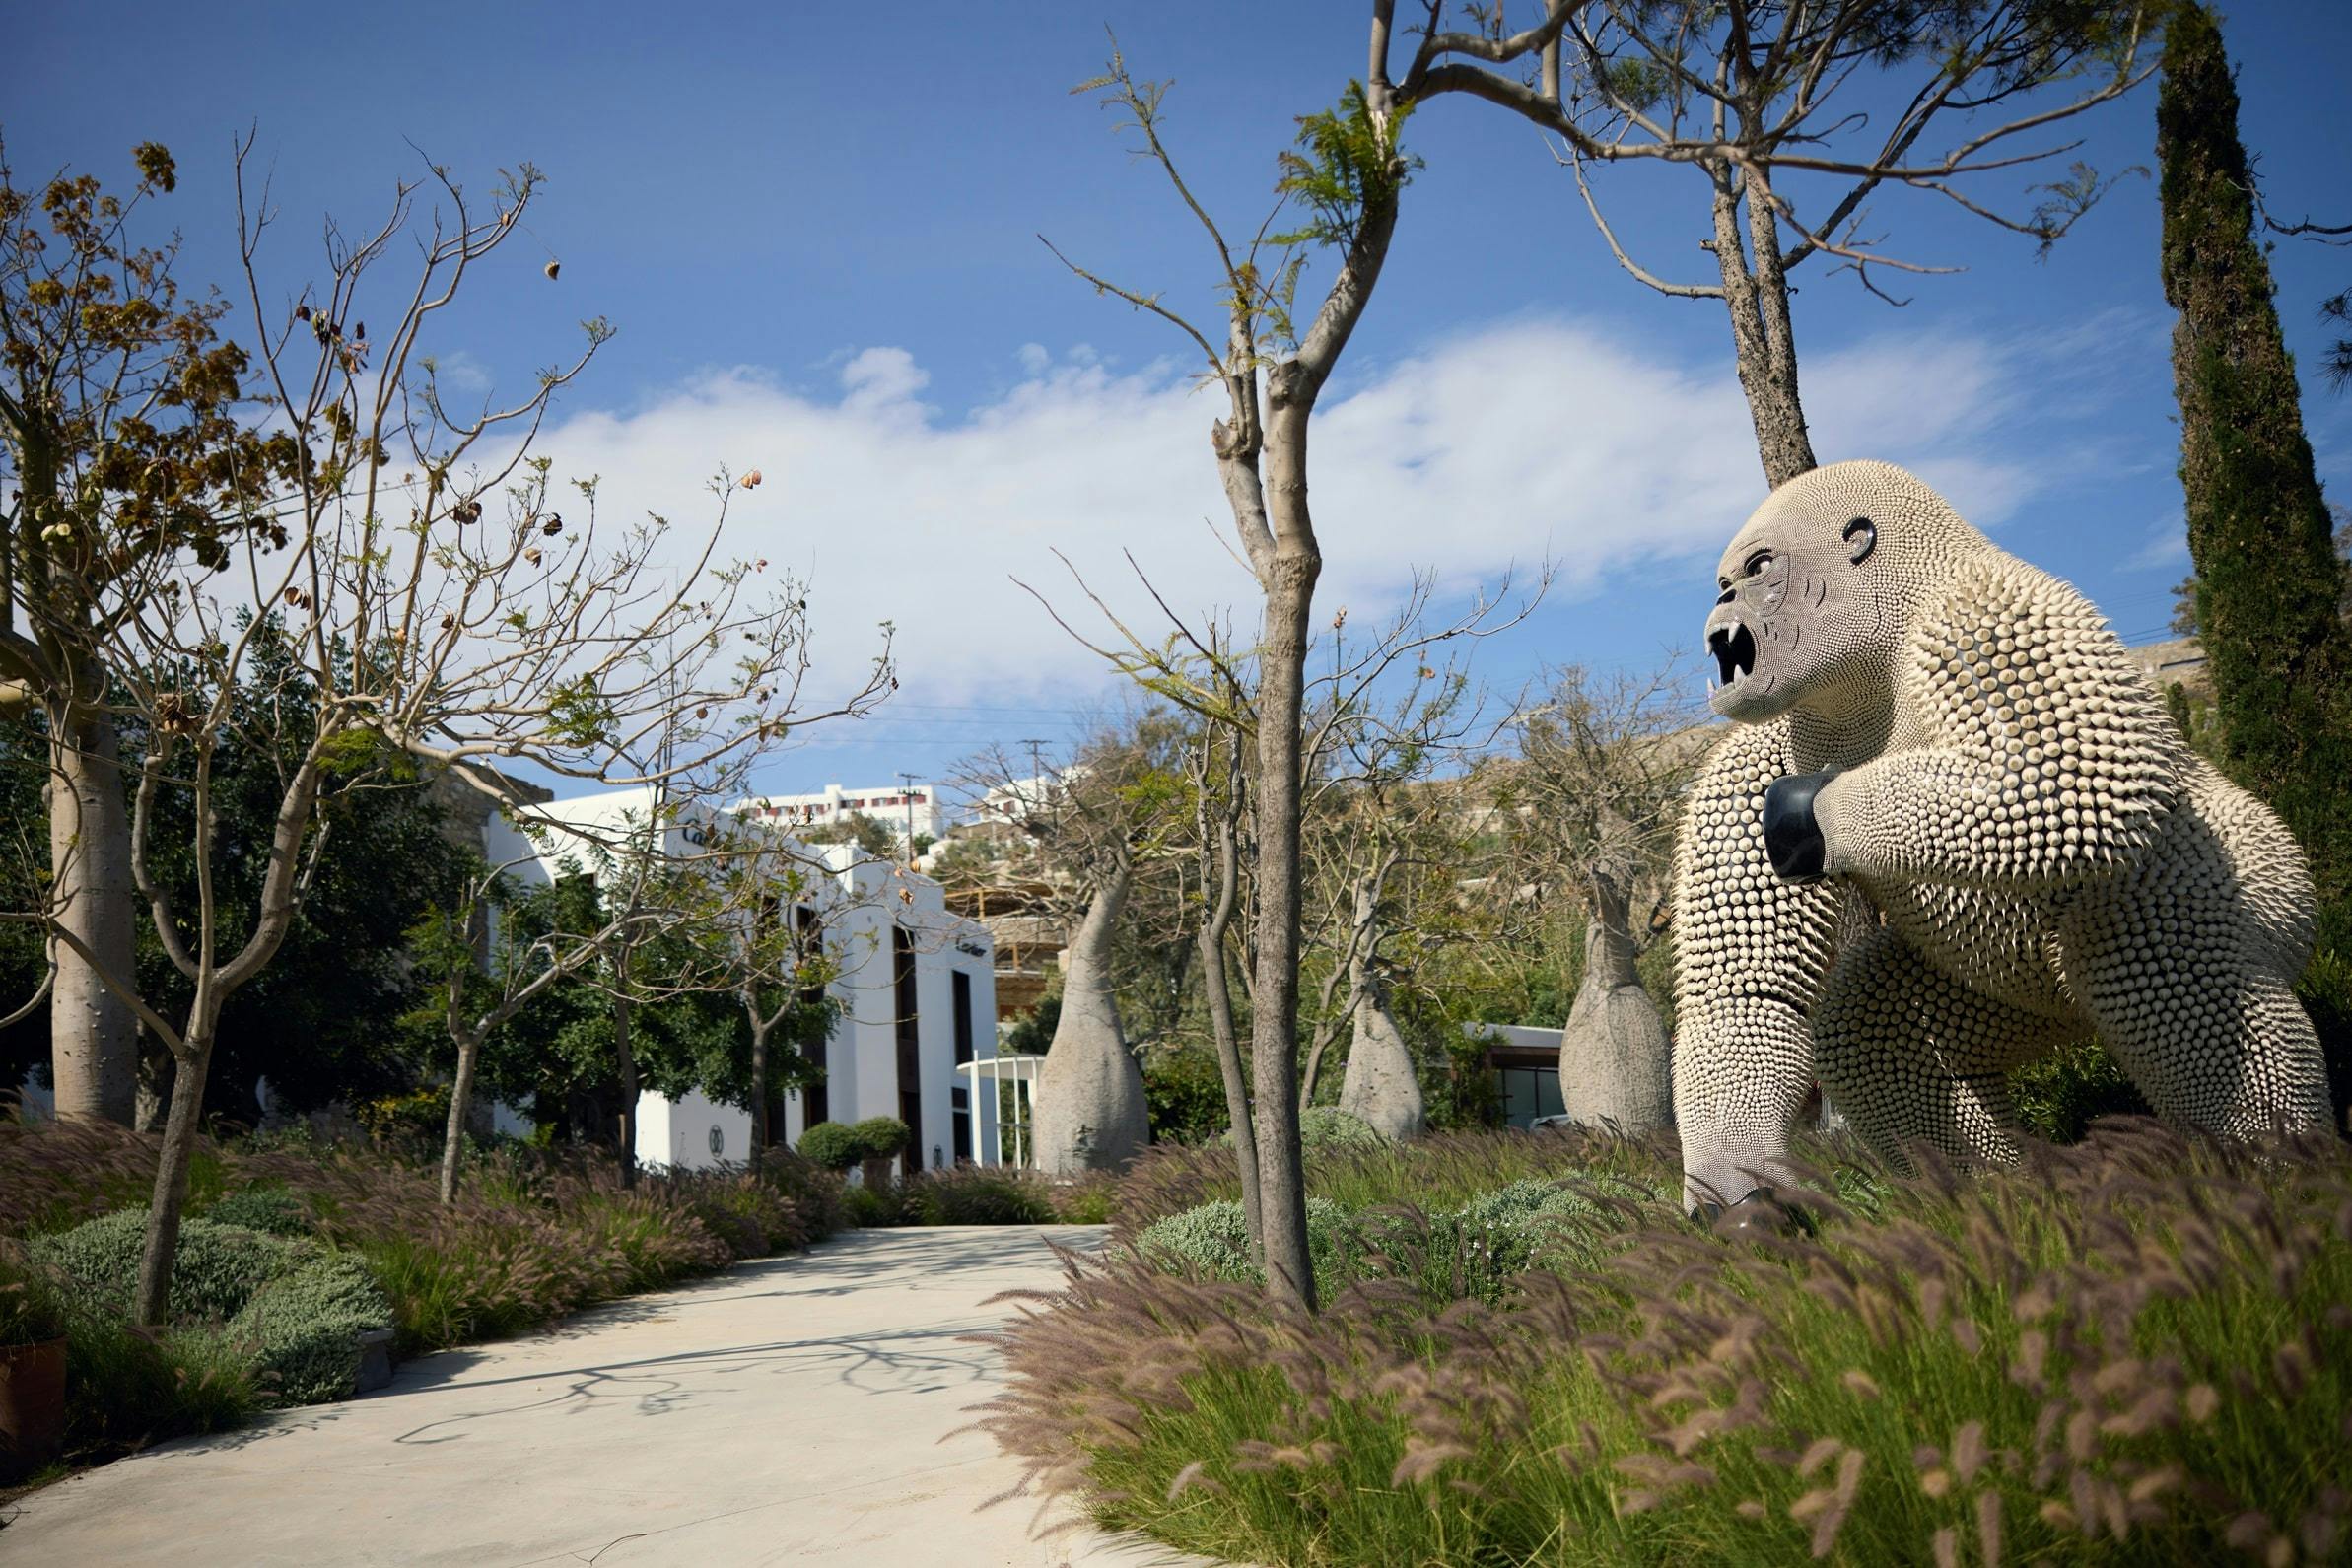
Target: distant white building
[[900, 807], [916, 995]]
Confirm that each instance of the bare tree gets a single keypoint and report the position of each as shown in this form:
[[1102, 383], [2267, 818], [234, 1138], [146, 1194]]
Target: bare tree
[[1604, 762], [1757, 98], [425, 625], [1347, 176]]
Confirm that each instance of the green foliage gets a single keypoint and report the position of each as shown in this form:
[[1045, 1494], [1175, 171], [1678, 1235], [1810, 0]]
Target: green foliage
[[881, 1138], [2268, 581], [304, 1327], [291, 1306], [2059, 1096], [1344, 169], [873, 1208], [269, 1209], [2326, 992], [312, 1021], [2131, 1350], [832, 1146], [1326, 1126], [1031, 1036], [214, 1273], [1184, 1092], [970, 1195], [33, 1303], [872, 837]]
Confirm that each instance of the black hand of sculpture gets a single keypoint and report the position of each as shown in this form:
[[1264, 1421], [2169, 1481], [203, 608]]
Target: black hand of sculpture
[[1792, 838]]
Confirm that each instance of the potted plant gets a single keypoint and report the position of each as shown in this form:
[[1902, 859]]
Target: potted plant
[[31, 1366], [880, 1138]]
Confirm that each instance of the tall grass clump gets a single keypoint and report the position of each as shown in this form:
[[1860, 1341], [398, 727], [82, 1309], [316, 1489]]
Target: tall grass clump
[[2139, 1350]]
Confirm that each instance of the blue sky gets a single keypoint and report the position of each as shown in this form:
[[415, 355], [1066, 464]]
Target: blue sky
[[815, 227]]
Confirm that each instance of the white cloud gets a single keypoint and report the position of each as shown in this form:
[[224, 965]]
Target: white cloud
[[2167, 545], [1524, 438]]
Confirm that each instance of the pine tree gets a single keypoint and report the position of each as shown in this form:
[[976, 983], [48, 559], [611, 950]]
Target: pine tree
[[2268, 581]]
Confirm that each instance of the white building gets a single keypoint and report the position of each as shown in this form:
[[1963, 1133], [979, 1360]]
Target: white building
[[900, 807], [916, 995]]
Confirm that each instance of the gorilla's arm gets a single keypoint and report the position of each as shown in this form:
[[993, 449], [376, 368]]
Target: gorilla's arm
[[1752, 955], [2043, 757]]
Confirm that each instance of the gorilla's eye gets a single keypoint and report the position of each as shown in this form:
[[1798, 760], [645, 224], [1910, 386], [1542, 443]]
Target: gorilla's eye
[[1757, 564]]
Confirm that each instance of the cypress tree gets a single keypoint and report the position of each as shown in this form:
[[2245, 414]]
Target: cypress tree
[[2268, 582]]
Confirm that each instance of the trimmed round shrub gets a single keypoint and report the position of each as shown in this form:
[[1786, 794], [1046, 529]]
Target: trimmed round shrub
[[881, 1138], [832, 1146], [270, 1209]]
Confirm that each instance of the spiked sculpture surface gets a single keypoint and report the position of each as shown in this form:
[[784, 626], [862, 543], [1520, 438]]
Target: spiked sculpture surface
[[1954, 830]]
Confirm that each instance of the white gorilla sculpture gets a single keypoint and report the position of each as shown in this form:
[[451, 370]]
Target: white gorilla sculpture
[[1954, 830]]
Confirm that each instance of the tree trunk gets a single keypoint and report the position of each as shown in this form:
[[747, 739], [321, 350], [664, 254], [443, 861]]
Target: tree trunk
[[1764, 347], [461, 1088], [626, 1060], [1089, 1111], [1614, 1055], [760, 1130], [1380, 1084], [158, 1068], [93, 1038], [170, 1193], [1274, 1019], [1229, 1062]]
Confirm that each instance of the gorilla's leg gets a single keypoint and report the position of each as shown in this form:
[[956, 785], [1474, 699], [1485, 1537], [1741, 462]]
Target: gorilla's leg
[[1910, 1054], [2211, 1031]]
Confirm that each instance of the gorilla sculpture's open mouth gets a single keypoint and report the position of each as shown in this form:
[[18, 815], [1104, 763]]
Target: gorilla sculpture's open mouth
[[1734, 647]]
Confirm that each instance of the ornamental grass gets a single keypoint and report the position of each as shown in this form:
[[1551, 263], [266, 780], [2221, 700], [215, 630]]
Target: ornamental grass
[[2136, 1349]]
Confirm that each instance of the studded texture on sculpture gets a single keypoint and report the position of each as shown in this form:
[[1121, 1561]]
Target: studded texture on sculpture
[[1954, 830]]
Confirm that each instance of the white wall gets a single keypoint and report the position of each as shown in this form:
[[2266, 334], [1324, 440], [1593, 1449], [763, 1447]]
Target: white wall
[[861, 905]]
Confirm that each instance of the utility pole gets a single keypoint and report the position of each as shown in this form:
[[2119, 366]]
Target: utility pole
[[906, 796], [1036, 779]]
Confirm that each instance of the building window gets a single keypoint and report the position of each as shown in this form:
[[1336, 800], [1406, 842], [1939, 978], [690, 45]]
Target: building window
[[910, 1045], [816, 1101], [962, 1097]]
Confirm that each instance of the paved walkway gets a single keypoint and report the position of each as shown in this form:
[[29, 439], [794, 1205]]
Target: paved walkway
[[789, 1411]]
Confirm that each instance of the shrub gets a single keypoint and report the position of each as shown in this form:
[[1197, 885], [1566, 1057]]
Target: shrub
[[290, 1305], [832, 1146], [1212, 1242], [2135, 1349], [269, 1209], [974, 1194], [1085, 1199], [1323, 1128], [214, 1273], [876, 1207], [304, 1327], [2058, 1097], [881, 1138], [33, 1307]]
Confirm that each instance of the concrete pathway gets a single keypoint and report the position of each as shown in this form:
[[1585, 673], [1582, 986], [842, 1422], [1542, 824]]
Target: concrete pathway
[[789, 1411]]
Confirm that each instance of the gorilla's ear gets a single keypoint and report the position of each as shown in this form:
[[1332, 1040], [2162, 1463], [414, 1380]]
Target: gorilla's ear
[[1861, 537]]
